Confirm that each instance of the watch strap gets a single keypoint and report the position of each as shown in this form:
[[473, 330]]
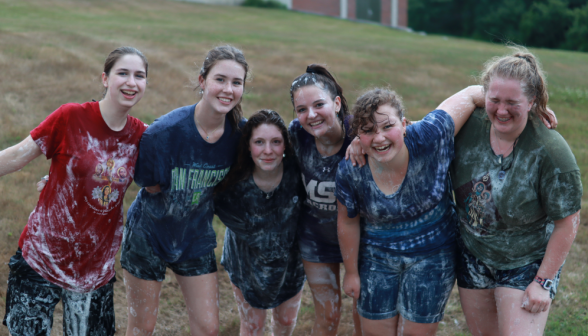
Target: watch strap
[[545, 283]]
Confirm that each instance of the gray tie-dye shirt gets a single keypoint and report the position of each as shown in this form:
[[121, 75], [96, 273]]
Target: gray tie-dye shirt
[[506, 218]]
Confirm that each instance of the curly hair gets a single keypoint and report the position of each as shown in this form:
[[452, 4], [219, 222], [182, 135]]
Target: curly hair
[[244, 165], [523, 66], [366, 108]]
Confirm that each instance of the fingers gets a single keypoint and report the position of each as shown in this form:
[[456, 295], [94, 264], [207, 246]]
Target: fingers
[[41, 184]]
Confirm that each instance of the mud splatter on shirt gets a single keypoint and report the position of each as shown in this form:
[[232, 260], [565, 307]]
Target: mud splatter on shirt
[[74, 232], [318, 219], [420, 216], [261, 252], [507, 206], [178, 220]]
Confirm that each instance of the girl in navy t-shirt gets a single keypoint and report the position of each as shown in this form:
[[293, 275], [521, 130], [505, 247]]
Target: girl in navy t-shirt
[[396, 215], [320, 138], [183, 155]]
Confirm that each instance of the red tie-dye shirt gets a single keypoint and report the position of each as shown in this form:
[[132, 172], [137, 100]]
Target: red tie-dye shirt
[[75, 231]]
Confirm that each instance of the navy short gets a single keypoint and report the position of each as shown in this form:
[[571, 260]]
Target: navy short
[[139, 259], [416, 287], [31, 301], [473, 273]]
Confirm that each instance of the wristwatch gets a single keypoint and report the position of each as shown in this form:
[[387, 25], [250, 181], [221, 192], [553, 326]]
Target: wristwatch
[[545, 283]]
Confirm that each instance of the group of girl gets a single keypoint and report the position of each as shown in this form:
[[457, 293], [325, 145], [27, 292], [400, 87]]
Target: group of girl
[[295, 209]]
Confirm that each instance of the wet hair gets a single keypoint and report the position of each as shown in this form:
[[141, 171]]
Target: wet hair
[[244, 165], [226, 53], [366, 108], [523, 66], [117, 54], [319, 76]]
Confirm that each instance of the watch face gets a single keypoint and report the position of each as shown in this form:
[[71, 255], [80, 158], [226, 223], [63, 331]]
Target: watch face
[[548, 284]]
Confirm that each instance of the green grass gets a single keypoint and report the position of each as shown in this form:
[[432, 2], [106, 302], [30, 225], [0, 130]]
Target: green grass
[[52, 52]]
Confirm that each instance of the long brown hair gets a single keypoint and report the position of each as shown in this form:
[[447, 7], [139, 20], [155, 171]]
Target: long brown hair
[[222, 53], [243, 167]]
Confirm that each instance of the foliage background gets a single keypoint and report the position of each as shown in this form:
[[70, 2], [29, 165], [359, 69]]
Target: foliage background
[[559, 24]]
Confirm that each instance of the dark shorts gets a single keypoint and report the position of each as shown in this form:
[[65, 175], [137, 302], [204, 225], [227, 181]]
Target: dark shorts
[[473, 273], [416, 287], [31, 301], [139, 259]]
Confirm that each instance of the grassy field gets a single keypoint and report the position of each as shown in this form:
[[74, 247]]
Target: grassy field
[[52, 52]]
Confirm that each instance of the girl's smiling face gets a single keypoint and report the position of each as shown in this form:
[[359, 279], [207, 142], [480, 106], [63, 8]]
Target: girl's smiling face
[[315, 109], [507, 106], [267, 147], [223, 86], [126, 81], [384, 141]]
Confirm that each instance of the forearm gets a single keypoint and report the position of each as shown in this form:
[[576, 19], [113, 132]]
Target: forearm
[[16, 157], [348, 232], [559, 245], [462, 104]]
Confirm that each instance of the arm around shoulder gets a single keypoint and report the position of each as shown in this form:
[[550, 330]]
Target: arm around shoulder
[[462, 104], [16, 157]]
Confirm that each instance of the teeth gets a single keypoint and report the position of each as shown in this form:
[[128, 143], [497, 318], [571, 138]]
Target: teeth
[[316, 123], [225, 100], [382, 148], [128, 92], [503, 119]]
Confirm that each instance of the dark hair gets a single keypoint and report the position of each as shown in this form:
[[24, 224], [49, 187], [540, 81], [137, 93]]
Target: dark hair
[[119, 52], [523, 66], [244, 165], [366, 107], [319, 76], [222, 53]]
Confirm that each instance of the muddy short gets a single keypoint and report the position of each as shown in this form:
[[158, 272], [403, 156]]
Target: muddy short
[[31, 301], [416, 287], [473, 273], [139, 259]]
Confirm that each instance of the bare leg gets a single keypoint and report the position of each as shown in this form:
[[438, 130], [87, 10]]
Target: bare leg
[[252, 319], [284, 316], [387, 327], [408, 328], [323, 280], [514, 320], [142, 304], [479, 307], [201, 296]]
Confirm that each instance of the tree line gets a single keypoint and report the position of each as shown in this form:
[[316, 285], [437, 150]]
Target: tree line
[[560, 24]]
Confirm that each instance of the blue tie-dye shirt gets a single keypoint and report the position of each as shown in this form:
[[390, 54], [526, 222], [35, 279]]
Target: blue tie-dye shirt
[[178, 220], [420, 216]]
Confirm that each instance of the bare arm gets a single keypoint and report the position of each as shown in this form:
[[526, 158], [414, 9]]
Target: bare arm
[[348, 232], [461, 105], [536, 299], [16, 157]]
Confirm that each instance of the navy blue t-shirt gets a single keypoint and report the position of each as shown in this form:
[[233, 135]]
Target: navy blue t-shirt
[[178, 220], [318, 218], [420, 216]]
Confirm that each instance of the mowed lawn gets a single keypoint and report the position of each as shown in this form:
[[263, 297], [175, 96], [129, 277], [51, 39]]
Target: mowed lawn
[[52, 52]]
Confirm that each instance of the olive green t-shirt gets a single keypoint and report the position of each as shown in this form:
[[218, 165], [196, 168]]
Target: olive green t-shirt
[[507, 206]]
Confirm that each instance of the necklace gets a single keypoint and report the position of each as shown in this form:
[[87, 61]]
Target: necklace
[[503, 169], [203, 130]]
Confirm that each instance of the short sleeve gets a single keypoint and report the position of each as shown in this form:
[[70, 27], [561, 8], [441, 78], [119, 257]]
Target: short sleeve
[[435, 133], [344, 190], [147, 170], [561, 194], [51, 132]]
